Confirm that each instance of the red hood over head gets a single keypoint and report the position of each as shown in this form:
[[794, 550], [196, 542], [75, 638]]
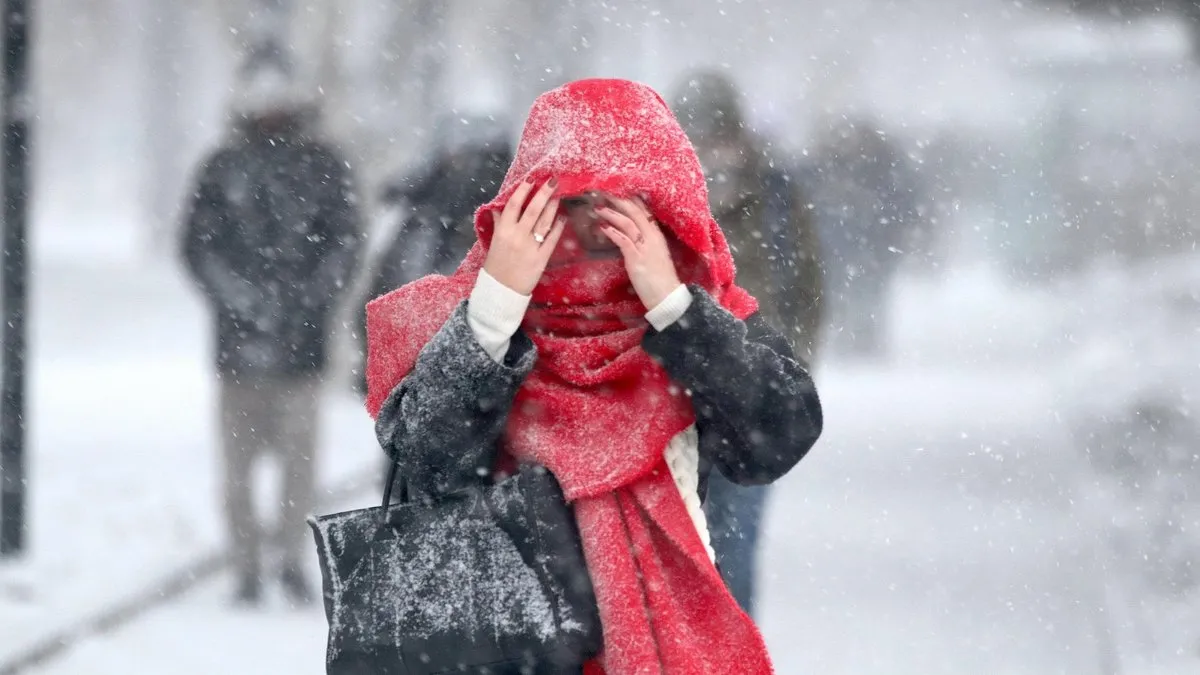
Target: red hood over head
[[619, 137]]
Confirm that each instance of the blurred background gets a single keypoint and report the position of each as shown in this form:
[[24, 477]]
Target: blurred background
[[1009, 480]]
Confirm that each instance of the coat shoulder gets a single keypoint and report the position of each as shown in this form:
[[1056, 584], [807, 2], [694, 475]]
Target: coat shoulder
[[219, 162], [324, 155]]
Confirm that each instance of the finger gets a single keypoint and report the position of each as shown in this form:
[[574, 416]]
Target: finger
[[654, 228], [641, 218], [537, 205], [640, 201], [628, 248], [556, 230], [512, 209], [546, 221], [633, 210], [620, 221]]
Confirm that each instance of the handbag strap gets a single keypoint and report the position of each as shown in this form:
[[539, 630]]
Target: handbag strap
[[393, 470]]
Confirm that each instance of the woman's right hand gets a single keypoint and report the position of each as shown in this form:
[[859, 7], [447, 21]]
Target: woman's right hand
[[522, 240]]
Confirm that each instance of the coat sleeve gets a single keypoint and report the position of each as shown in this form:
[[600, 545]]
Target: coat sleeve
[[207, 236], [747, 389], [443, 421]]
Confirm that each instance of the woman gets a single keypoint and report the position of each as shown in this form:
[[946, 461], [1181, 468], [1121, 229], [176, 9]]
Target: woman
[[595, 329]]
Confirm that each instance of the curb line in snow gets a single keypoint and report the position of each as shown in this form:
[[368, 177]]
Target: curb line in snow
[[166, 589]]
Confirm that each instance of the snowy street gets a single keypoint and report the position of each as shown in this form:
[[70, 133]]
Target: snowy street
[[894, 549], [929, 534], [929, 531], [122, 460]]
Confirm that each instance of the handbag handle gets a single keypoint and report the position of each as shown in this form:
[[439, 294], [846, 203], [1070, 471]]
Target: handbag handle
[[387, 487]]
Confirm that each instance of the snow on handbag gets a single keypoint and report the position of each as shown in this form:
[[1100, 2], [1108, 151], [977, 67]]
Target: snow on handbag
[[487, 580]]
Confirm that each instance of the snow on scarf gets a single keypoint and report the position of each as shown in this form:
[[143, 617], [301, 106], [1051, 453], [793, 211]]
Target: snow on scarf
[[597, 410]]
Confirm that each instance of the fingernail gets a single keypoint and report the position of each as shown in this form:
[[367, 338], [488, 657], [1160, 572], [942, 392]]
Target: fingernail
[[553, 182]]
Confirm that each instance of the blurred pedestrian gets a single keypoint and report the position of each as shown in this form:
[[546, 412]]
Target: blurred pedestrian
[[438, 201], [765, 217], [867, 209], [471, 155], [762, 209], [272, 239]]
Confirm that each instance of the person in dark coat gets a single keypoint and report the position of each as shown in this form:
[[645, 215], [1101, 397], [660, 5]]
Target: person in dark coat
[[765, 215], [866, 207], [763, 209], [470, 159], [272, 238]]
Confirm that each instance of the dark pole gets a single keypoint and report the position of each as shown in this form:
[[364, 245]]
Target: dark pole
[[15, 154]]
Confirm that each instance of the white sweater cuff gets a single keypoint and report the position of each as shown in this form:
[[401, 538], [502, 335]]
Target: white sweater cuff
[[494, 313], [670, 309]]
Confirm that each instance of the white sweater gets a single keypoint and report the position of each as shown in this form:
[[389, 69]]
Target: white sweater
[[494, 313]]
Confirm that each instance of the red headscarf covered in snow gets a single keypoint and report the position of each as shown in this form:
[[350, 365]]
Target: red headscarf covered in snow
[[596, 410]]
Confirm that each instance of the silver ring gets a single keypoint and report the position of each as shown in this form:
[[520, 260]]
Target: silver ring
[[539, 237]]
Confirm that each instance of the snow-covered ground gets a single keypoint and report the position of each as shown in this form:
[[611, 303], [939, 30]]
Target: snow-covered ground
[[123, 469], [931, 531], [925, 535]]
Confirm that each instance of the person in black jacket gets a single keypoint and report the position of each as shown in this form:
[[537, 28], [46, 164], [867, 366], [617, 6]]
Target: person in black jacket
[[271, 238], [471, 155]]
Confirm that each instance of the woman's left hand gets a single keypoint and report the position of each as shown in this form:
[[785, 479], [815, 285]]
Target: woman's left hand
[[629, 225]]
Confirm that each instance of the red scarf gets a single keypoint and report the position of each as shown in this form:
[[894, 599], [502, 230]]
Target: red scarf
[[597, 410]]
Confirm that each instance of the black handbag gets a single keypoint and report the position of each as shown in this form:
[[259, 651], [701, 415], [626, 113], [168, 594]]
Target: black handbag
[[491, 579]]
